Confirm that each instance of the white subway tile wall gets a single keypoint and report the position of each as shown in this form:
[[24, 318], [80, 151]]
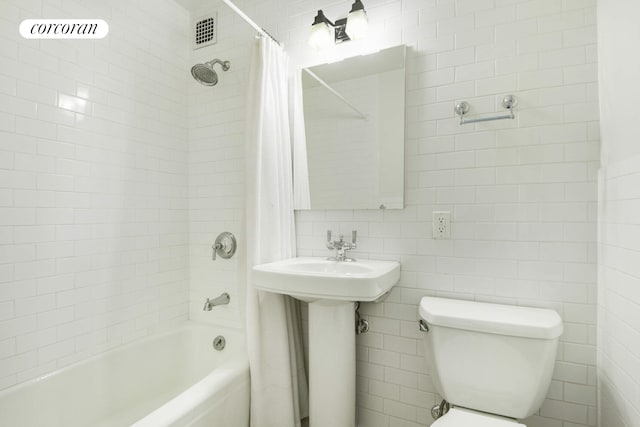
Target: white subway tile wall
[[216, 168], [93, 183], [619, 294], [522, 193]]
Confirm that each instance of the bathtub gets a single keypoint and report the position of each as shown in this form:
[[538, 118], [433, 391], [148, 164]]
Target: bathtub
[[172, 379]]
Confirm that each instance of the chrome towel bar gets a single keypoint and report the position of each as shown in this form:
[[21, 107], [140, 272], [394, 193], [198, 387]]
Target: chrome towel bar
[[508, 102]]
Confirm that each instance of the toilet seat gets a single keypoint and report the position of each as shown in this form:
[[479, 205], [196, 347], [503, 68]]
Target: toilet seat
[[462, 417]]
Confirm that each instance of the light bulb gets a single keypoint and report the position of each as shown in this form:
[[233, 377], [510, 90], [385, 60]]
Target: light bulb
[[320, 35], [357, 24]]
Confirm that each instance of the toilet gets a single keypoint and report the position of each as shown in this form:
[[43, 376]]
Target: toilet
[[491, 362]]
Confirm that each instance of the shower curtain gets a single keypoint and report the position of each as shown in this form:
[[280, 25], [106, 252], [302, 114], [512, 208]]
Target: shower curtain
[[301, 192], [279, 392]]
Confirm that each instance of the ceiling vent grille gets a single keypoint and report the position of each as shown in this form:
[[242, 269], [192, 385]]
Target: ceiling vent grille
[[205, 30]]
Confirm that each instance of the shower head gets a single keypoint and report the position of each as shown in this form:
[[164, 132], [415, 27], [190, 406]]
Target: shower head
[[205, 74]]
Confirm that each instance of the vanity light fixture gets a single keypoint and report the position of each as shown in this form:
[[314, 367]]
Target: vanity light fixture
[[320, 35], [357, 22], [353, 27]]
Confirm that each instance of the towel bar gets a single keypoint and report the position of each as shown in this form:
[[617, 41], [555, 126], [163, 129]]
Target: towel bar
[[463, 107]]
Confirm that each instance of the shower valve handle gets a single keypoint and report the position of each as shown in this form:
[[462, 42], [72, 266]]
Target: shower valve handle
[[215, 248], [225, 246]]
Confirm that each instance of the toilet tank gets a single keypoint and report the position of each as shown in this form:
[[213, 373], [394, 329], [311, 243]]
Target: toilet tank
[[490, 357]]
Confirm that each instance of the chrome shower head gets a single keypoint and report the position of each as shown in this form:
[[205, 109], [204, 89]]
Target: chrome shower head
[[205, 74]]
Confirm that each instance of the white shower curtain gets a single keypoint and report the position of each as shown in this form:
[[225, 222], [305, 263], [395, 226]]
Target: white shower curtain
[[301, 194], [279, 393]]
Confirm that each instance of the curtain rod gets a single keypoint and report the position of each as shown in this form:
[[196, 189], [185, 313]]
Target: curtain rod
[[264, 32], [250, 21]]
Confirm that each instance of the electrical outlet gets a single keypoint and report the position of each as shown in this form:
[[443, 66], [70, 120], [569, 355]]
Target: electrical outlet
[[441, 224]]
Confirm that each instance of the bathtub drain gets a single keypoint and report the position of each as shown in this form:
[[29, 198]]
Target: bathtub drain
[[219, 342]]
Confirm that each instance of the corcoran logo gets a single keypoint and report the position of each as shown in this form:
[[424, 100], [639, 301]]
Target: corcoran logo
[[64, 28]]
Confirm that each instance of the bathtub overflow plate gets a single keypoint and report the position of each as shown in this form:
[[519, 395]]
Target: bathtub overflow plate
[[219, 342]]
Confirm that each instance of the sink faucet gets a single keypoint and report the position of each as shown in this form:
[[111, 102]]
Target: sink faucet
[[341, 246], [221, 300]]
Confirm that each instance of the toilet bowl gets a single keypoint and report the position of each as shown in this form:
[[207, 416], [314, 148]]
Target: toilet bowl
[[491, 362]]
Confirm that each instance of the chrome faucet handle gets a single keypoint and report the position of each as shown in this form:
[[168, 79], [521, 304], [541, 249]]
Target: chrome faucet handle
[[341, 246], [215, 248], [330, 243]]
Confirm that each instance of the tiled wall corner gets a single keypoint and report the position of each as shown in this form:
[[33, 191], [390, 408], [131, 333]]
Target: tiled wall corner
[[216, 165], [619, 294]]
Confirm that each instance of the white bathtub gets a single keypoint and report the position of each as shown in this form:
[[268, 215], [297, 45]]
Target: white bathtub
[[173, 379]]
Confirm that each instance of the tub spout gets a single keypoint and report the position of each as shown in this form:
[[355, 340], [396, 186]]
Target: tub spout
[[221, 300]]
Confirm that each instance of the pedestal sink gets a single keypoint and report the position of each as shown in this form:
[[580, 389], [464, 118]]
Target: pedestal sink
[[330, 288]]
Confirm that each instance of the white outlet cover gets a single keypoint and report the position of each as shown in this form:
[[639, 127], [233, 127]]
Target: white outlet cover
[[441, 224]]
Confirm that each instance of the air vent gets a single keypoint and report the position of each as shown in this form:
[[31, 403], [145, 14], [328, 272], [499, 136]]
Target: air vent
[[205, 29]]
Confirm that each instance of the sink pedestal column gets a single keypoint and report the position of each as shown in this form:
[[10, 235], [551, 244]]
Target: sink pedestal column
[[332, 364]]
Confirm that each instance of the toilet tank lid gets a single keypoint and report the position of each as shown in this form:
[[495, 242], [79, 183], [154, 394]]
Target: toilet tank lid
[[498, 319]]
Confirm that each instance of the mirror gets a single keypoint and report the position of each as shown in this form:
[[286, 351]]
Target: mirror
[[356, 162]]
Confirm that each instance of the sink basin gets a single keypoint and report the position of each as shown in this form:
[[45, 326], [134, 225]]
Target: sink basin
[[314, 278]]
